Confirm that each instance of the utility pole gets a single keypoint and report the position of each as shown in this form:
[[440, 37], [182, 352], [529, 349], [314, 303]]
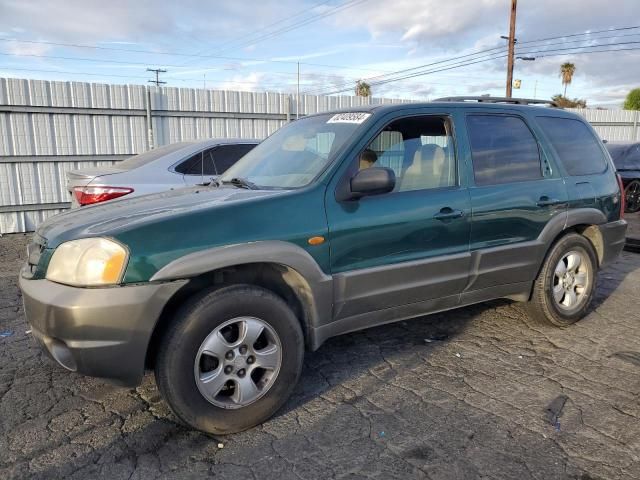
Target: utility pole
[[157, 71], [512, 43]]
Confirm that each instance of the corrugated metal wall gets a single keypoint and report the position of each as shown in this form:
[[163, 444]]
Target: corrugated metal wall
[[613, 125], [48, 128]]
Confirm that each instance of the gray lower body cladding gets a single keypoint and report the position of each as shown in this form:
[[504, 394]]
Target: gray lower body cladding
[[101, 332]]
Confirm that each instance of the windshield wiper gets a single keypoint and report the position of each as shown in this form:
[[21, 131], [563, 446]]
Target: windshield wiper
[[241, 183]]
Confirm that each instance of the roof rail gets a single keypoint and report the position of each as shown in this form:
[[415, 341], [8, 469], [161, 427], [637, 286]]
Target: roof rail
[[515, 101]]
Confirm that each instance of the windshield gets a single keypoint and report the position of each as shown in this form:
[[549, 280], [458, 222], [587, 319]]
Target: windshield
[[146, 157], [294, 155]]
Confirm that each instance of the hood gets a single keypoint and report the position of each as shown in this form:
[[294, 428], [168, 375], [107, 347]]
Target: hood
[[112, 218]]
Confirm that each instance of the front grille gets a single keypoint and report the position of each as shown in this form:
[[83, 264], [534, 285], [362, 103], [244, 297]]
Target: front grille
[[34, 251]]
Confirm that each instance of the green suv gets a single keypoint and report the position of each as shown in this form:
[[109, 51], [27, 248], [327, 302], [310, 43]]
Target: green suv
[[337, 222]]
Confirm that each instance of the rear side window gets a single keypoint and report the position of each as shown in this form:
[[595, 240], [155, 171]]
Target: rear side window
[[576, 146], [191, 166], [503, 150]]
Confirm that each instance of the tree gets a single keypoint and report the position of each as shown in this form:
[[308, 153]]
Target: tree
[[564, 102], [566, 73], [632, 101], [363, 89]]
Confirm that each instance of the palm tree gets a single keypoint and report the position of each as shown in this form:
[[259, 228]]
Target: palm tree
[[566, 73], [363, 89]]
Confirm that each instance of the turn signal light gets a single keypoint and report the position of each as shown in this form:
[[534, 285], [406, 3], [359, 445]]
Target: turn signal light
[[97, 194]]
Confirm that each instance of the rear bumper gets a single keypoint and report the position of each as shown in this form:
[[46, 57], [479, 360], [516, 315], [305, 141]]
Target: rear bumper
[[100, 332], [613, 240]]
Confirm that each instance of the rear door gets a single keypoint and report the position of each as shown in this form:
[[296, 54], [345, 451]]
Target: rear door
[[582, 156], [516, 191]]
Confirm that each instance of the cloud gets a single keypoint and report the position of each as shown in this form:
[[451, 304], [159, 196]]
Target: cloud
[[83, 21], [17, 48]]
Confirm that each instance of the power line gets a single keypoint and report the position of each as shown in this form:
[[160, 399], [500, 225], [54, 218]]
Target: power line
[[375, 79], [545, 53], [177, 54], [119, 62], [302, 23], [123, 62], [551, 53], [619, 29], [574, 48], [109, 75], [266, 27], [347, 86], [328, 93]]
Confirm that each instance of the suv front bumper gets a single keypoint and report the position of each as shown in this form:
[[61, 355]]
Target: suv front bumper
[[101, 332]]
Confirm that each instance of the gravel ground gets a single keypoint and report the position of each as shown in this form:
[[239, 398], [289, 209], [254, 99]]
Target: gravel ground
[[493, 395]]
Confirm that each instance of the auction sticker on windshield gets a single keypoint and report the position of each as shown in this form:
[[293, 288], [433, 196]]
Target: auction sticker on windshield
[[352, 117]]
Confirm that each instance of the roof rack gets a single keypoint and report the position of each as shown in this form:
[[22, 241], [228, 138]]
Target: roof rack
[[514, 101]]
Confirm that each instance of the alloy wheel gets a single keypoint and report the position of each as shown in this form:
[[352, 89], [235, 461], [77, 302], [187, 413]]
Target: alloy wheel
[[571, 281], [238, 362]]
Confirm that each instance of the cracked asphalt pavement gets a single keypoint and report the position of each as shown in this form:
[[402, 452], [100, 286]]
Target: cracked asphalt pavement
[[490, 394]]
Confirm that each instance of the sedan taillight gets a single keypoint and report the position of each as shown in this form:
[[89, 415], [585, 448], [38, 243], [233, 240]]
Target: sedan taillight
[[91, 195]]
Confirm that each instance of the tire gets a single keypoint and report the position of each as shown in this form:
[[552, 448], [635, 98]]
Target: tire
[[207, 324], [632, 196], [552, 301]]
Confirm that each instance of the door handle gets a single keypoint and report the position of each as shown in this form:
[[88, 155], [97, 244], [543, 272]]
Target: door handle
[[547, 202], [448, 213]]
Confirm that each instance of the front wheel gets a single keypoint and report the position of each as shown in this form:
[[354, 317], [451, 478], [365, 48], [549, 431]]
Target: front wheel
[[632, 196], [565, 286], [230, 359]]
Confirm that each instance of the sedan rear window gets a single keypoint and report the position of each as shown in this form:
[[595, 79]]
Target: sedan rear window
[[147, 157]]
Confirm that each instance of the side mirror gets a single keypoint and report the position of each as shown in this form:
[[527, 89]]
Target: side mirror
[[372, 181]]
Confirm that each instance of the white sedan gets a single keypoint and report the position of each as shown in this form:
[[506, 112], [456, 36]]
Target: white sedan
[[176, 165]]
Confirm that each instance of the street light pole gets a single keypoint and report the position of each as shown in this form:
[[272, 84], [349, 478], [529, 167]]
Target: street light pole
[[512, 42]]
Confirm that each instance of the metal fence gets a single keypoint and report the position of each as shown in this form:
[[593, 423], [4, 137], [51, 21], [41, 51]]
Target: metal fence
[[48, 128]]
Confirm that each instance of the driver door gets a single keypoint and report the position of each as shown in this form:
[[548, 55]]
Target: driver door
[[410, 246]]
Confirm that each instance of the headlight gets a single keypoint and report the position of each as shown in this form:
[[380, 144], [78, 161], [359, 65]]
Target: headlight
[[88, 262]]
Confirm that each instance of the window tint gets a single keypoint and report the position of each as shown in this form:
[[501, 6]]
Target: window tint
[[418, 149], [191, 166], [503, 150], [225, 156], [577, 148]]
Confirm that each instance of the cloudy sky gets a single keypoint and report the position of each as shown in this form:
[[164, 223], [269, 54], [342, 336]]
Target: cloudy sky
[[441, 47]]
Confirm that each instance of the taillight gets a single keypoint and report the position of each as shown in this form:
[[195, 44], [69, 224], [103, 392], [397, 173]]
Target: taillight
[[91, 195], [623, 201]]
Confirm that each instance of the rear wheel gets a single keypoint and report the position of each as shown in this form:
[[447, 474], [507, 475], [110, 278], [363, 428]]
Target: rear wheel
[[632, 196], [230, 359], [566, 283]]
